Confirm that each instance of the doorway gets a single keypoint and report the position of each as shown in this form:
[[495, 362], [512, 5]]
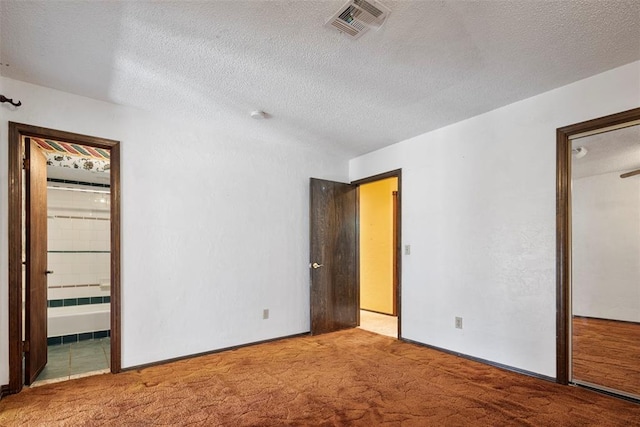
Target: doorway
[[78, 260], [28, 193], [334, 254], [378, 221], [599, 254]]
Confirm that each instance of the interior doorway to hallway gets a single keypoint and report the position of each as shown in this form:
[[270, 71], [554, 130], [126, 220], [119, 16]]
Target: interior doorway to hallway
[[379, 244]]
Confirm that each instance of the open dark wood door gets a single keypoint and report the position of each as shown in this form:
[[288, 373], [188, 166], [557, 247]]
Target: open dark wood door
[[334, 266], [36, 256]]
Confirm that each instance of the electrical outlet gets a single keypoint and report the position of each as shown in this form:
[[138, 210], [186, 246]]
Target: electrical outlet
[[458, 322], [265, 313], [407, 249]]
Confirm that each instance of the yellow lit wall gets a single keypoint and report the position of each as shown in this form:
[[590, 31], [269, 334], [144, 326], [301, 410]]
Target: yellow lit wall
[[376, 245]]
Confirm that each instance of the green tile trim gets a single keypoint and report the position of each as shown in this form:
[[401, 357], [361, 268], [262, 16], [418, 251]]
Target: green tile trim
[[66, 302], [75, 338]]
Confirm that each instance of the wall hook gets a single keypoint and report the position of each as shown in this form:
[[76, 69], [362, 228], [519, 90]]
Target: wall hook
[[10, 101]]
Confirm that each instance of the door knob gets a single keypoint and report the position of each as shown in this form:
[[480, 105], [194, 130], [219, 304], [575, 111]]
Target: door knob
[[316, 265], [48, 272]]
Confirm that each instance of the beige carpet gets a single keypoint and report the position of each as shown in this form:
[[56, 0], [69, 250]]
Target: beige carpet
[[352, 377]]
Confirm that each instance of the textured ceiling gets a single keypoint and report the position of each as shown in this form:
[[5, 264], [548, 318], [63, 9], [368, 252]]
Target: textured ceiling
[[433, 63], [614, 151]]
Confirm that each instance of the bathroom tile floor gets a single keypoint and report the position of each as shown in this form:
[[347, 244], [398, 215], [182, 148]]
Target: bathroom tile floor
[[69, 361]]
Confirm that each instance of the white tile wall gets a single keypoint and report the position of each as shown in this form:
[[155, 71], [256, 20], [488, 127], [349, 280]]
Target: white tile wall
[[71, 241]]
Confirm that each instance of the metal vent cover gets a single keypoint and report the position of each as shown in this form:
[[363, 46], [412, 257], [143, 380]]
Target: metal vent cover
[[358, 16]]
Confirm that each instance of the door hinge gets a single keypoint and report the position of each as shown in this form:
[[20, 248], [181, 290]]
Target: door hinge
[[25, 346], [25, 164]]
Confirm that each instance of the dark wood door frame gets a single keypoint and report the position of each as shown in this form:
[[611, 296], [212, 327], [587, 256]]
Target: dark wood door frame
[[397, 268], [396, 252], [563, 229], [17, 132]]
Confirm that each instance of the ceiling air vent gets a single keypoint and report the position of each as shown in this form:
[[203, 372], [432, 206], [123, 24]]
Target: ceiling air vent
[[357, 16]]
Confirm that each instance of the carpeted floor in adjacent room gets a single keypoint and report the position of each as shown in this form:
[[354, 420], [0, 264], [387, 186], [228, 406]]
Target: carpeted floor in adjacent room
[[352, 377]]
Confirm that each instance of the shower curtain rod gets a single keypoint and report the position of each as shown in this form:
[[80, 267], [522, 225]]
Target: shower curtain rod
[[632, 173]]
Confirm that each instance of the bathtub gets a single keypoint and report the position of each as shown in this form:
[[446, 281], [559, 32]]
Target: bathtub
[[77, 319]]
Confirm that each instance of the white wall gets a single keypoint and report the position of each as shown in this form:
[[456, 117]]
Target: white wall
[[478, 209], [206, 247], [214, 224], [606, 247]]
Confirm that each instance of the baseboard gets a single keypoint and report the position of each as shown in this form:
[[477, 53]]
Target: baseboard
[[205, 353], [4, 390], [484, 361]]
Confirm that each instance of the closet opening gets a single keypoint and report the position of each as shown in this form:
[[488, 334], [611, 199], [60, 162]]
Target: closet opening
[[599, 254]]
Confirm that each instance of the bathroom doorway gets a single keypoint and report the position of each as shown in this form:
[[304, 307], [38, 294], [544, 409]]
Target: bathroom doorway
[[379, 242], [599, 254], [78, 260], [64, 216]]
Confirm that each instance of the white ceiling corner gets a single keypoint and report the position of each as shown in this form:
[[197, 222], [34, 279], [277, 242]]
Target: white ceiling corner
[[431, 64]]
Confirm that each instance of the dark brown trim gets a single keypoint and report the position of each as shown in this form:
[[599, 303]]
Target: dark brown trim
[[563, 229], [380, 177], [395, 238], [16, 133], [15, 258], [483, 361], [116, 296], [206, 353], [563, 178], [4, 390], [358, 255], [397, 173]]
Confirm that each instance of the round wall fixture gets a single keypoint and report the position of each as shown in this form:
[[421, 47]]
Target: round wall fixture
[[579, 152], [258, 115]]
